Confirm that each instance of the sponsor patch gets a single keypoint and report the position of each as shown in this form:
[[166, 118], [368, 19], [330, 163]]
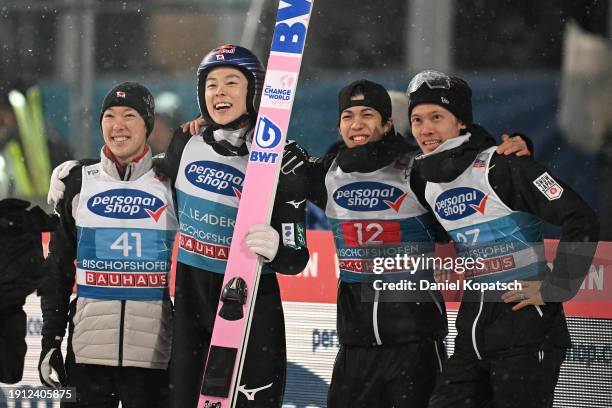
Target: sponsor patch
[[280, 90], [126, 203], [548, 186], [300, 234], [369, 196], [460, 202], [225, 49], [288, 234], [215, 177]]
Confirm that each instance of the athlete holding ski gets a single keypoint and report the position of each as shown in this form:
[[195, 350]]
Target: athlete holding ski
[[208, 170], [118, 221], [509, 346], [391, 348]]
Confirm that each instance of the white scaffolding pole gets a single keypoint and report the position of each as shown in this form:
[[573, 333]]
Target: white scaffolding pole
[[429, 35]]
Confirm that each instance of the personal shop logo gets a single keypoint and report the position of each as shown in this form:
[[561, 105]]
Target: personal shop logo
[[126, 203], [215, 177], [369, 196], [460, 202]]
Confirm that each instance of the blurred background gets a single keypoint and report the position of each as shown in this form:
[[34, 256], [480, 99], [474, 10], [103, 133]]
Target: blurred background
[[540, 68]]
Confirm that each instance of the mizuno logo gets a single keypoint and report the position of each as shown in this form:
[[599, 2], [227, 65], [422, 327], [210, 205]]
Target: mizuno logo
[[295, 204], [250, 394]]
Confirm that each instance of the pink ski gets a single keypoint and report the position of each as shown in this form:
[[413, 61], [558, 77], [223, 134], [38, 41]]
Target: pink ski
[[237, 301]]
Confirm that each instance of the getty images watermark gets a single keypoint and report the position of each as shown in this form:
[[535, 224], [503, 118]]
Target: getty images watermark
[[470, 267]]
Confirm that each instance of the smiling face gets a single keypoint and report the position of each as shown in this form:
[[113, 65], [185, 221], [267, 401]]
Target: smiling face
[[360, 125], [124, 132], [432, 125], [225, 92]]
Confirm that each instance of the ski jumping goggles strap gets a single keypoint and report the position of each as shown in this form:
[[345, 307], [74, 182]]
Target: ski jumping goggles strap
[[433, 79]]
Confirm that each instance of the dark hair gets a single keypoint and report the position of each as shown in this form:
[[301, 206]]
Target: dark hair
[[375, 96]]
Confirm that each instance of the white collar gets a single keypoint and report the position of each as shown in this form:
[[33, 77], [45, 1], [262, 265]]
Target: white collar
[[448, 145], [235, 137]]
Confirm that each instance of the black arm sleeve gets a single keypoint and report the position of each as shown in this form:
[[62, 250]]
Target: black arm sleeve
[[56, 290], [316, 172], [12, 346], [167, 164], [289, 214], [519, 181]]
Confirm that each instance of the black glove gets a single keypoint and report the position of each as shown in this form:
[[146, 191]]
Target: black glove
[[51, 360]]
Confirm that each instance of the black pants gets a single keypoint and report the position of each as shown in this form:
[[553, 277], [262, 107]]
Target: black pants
[[525, 380], [196, 298], [99, 386], [400, 376], [104, 386]]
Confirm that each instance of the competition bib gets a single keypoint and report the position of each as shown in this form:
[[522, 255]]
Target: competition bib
[[125, 232]]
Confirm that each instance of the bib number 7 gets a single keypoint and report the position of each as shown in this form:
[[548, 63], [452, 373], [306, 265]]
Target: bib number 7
[[469, 237]]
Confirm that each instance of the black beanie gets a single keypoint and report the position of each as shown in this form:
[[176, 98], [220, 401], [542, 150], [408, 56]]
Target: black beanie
[[375, 97], [457, 99], [136, 97]]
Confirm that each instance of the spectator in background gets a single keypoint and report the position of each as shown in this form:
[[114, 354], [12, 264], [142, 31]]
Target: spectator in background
[[167, 118], [21, 271], [12, 182]]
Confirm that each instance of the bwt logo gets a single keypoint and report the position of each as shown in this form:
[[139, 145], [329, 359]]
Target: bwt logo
[[125, 203], [267, 136], [215, 177], [369, 196], [460, 202], [290, 38]]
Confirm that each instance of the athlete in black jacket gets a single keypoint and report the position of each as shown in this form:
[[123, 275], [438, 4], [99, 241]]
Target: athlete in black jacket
[[391, 350], [509, 346]]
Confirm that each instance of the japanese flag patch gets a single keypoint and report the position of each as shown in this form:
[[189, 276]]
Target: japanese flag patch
[[548, 186]]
